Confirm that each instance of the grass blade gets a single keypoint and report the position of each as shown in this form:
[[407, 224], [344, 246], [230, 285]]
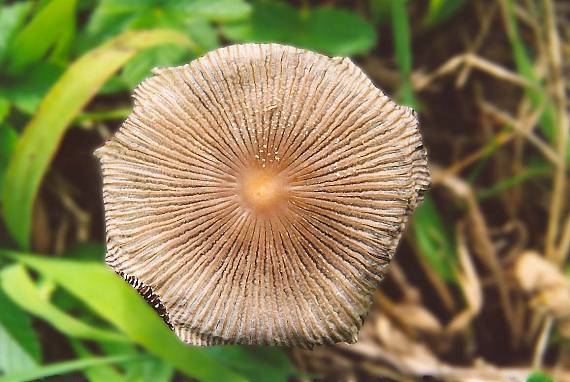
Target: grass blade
[[41, 137], [403, 52], [440, 10], [109, 296], [525, 67], [19, 286], [65, 367], [433, 241], [99, 373], [45, 30], [19, 346]]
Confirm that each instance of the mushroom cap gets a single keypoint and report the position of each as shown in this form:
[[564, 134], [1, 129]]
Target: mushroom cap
[[259, 193]]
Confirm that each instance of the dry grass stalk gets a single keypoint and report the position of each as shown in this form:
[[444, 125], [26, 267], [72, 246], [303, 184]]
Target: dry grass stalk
[[559, 195]]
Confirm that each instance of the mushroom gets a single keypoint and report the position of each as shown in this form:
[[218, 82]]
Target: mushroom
[[257, 195]]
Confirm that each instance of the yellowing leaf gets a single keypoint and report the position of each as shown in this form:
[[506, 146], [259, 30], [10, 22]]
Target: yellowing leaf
[[41, 137]]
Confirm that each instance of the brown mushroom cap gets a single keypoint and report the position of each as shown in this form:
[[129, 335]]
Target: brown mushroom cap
[[259, 192]]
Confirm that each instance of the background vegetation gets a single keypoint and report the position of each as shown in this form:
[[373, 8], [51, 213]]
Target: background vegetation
[[480, 286]]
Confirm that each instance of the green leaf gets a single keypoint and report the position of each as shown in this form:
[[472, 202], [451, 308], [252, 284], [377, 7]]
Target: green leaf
[[152, 370], [440, 10], [525, 67], [18, 285], [269, 364], [191, 17], [62, 47], [11, 17], [41, 137], [50, 24], [26, 91], [113, 299], [325, 29], [380, 11], [8, 138], [403, 51], [336, 31], [64, 368], [108, 20], [87, 250], [263, 26], [140, 67], [202, 32], [19, 347], [219, 10], [99, 373], [4, 109], [433, 240], [539, 376], [522, 176]]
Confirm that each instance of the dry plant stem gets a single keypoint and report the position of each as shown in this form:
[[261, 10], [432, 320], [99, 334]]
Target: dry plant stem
[[558, 193], [564, 248], [516, 165], [500, 139], [521, 126], [523, 13], [486, 22], [63, 191], [384, 372], [61, 236], [542, 342], [469, 283], [440, 287], [473, 61], [483, 246], [417, 360], [410, 292]]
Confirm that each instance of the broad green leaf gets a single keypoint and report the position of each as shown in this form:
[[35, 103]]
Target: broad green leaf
[[336, 31], [217, 10], [109, 19], [433, 241], [190, 17], [42, 32], [19, 347], [18, 285], [62, 47], [263, 26], [325, 29], [139, 68], [539, 376], [203, 34], [41, 137], [26, 90], [64, 368], [11, 17], [440, 10], [111, 298], [8, 138]]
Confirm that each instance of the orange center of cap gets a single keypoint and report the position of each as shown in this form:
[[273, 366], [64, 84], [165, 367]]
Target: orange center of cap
[[262, 190]]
